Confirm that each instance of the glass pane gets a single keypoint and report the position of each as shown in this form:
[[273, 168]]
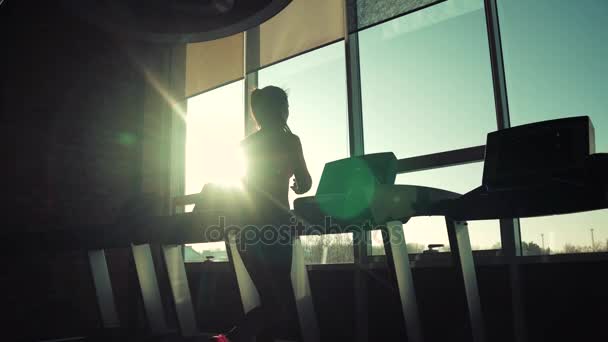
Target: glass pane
[[555, 57], [572, 233], [328, 249], [426, 81], [422, 231], [214, 128], [199, 252], [316, 85]]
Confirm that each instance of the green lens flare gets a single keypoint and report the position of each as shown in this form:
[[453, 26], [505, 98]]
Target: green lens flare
[[126, 138], [357, 181]]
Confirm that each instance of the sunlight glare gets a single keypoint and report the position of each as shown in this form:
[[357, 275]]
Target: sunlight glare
[[214, 130]]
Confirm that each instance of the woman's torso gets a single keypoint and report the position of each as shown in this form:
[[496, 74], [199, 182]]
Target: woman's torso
[[270, 165]]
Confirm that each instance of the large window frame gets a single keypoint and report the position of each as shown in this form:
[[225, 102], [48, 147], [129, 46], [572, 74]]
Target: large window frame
[[511, 246], [510, 253]]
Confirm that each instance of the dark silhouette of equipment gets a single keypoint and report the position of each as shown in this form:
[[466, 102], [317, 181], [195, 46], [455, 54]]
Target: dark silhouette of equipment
[[539, 169], [353, 191]]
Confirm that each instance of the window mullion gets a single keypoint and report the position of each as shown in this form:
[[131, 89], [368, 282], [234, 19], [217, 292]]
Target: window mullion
[[509, 228], [252, 62]]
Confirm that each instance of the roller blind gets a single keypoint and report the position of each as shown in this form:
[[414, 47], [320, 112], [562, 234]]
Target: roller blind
[[303, 25], [213, 63]]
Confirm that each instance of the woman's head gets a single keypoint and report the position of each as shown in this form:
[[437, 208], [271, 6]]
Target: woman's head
[[270, 107]]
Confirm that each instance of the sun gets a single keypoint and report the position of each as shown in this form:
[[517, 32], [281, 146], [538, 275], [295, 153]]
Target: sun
[[225, 166]]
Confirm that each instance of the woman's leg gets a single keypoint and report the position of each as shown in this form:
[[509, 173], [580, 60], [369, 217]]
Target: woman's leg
[[269, 266]]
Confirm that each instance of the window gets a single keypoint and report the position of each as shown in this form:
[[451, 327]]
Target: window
[[316, 86], [426, 81], [571, 233], [427, 87], [328, 249], [555, 63], [422, 231], [214, 128]]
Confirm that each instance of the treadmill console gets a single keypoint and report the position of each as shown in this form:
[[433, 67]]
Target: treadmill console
[[528, 154]]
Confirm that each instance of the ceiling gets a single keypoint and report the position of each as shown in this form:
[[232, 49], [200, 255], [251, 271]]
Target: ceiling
[[176, 21]]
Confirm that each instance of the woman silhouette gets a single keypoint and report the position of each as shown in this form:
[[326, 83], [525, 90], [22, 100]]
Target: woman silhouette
[[273, 156]]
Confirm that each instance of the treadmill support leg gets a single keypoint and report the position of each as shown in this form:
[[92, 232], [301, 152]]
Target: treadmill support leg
[[462, 256], [150, 292], [103, 288], [399, 265], [176, 270]]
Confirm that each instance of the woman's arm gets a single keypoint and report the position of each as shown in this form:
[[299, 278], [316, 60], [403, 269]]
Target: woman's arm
[[303, 181]]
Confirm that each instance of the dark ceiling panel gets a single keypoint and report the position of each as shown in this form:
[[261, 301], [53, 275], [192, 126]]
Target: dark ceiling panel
[[171, 21]]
